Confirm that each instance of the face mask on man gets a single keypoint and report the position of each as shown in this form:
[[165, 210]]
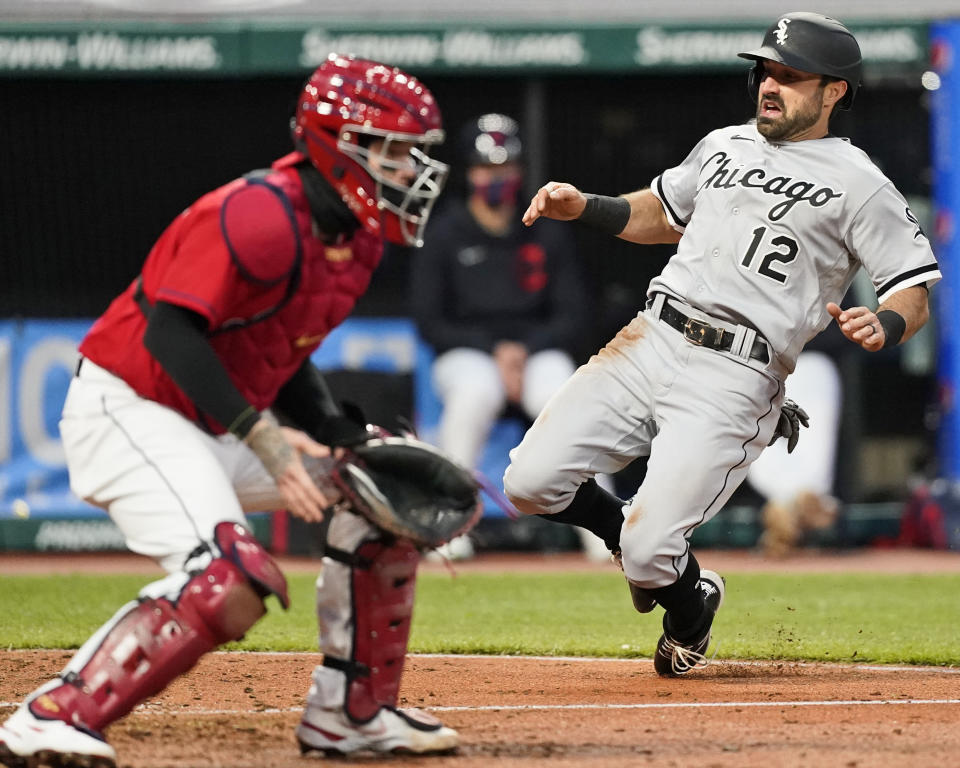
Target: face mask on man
[[498, 192]]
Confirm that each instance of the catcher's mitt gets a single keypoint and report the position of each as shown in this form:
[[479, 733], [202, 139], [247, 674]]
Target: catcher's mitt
[[410, 489]]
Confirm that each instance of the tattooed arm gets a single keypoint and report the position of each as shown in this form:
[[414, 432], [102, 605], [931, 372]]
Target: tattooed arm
[[279, 449]]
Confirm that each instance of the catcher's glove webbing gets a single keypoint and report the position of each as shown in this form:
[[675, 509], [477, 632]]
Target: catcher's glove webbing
[[410, 489]]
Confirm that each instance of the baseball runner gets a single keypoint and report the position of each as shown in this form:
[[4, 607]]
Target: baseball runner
[[194, 402], [772, 219]]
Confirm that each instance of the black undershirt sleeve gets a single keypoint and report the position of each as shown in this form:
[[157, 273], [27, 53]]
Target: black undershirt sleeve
[[177, 339], [306, 401]]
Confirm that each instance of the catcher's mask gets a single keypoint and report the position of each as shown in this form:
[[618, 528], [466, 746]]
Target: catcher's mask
[[347, 104], [410, 489], [813, 43]]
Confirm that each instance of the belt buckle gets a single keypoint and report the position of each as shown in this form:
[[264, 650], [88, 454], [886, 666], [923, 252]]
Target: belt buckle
[[695, 331]]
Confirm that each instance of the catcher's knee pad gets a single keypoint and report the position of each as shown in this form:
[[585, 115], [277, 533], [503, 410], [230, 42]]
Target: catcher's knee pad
[[153, 640], [364, 603]]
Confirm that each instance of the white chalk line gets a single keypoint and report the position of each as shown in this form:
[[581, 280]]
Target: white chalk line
[[772, 663], [153, 709]]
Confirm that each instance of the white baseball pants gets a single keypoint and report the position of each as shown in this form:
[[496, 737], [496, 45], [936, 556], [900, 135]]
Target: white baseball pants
[[165, 482]]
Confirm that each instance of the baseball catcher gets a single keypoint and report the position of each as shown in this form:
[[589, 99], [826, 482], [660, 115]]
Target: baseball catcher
[[195, 401]]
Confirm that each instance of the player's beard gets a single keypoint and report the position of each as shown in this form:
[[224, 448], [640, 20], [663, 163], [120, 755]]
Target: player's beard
[[789, 125]]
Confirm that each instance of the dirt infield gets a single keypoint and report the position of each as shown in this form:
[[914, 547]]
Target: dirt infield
[[239, 710]]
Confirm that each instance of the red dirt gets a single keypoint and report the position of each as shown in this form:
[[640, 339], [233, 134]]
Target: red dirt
[[238, 710], [722, 560]]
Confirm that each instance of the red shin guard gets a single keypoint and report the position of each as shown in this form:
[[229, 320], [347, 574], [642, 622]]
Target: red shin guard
[[155, 640], [383, 606]]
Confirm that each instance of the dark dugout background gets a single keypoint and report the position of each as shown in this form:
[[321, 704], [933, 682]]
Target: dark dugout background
[[91, 171]]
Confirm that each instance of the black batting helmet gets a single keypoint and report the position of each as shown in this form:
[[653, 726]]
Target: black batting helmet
[[491, 139], [811, 42]]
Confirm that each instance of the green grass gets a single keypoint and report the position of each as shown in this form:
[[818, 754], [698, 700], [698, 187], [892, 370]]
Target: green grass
[[828, 617]]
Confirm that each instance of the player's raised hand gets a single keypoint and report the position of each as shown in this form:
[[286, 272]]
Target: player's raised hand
[[860, 325], [555, 200]]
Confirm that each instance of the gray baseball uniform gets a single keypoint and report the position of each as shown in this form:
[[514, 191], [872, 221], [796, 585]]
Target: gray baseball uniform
[[781, 229], [772, 231]]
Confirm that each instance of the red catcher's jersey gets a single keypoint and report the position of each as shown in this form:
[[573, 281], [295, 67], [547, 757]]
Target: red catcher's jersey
[[244, 256]]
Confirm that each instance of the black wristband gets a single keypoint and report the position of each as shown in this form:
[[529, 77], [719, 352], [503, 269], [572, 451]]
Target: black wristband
[[608, 214], [893, 326], [242, 425]]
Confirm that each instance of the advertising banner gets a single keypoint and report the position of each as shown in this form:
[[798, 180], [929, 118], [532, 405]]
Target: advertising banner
[[37, 362], [295, 47]]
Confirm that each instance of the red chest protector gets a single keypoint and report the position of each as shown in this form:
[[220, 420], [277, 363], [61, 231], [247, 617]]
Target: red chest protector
[[245, 256], [277, 328]]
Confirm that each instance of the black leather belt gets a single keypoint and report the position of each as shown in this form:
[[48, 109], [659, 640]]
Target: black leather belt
[[705, 335]]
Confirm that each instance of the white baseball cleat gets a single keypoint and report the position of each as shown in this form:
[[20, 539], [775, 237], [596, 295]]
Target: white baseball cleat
[[27, 741], [331, 732]]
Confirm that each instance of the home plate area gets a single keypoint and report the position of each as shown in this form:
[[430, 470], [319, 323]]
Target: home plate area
[[240, 709]]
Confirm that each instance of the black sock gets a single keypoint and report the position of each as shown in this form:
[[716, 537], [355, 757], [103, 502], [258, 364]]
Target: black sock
[[595, 509], [683, 601]]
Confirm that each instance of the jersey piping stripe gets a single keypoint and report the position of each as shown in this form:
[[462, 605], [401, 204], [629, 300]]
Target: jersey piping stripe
[[726, 478], [885, 288], [150, 462], [663, 199], [184, 299]]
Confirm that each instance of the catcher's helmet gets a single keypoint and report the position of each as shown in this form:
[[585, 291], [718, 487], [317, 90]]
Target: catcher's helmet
[[813, 43], [491, 139], [345, 105]]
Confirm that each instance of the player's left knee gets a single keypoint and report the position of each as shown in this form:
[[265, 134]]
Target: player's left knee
[[530, 486], [521, 494]]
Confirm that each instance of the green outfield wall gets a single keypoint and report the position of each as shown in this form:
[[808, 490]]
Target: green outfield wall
[[267, 48]]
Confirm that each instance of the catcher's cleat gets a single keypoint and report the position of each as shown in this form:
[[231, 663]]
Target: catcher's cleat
[[673, 657], [27, 741], [643, 601], [332, 733]]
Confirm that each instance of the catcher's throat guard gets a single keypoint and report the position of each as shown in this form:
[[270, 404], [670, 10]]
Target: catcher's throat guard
[[409, 489]]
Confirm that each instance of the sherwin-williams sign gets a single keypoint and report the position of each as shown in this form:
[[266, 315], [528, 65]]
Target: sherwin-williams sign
[[268, 48], [106, 51]]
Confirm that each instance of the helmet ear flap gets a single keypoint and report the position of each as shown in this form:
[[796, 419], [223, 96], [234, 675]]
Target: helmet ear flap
[[754, 78]]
